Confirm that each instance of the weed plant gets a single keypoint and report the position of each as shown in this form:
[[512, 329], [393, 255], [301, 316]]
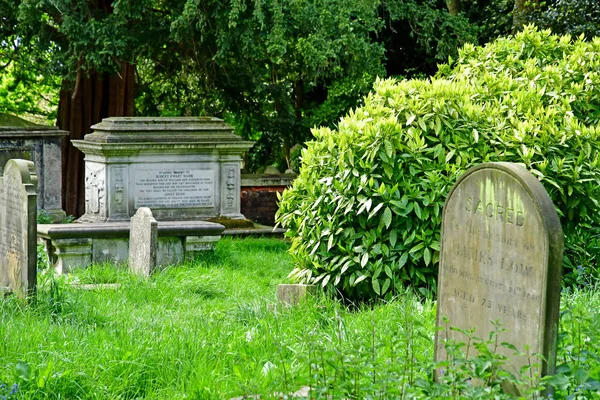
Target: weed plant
[[210, 329]]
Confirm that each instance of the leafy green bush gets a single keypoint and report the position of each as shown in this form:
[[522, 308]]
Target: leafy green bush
[[364, 214]]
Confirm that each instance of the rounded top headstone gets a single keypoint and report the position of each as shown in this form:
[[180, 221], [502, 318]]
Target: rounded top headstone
[[500, 260]]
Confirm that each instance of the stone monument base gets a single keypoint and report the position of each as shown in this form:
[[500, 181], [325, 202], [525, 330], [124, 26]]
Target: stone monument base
[[71, 246]]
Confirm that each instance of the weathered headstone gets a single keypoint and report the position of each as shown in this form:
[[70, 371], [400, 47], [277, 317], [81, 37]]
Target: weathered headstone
[[501, 254], [18, 227], [143, 238]]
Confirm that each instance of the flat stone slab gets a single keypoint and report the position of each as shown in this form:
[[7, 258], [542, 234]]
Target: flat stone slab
[[81, 244], [266, 231], [301, 393], [97, 286], [121, 229]]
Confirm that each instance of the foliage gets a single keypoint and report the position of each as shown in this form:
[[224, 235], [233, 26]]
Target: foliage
[[27, 85], [43, 217], [575, 17], [364, 215], [420, 34], [9, 392], [579, 346], [494, 17], [311, 61], [24, 92], [273, 69]]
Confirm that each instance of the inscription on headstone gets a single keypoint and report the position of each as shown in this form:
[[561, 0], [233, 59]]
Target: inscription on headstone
[[500, 259], [177, 188], [18, 227], [143, 237]]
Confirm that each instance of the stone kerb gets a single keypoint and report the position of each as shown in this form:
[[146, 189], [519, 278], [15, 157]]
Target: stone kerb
[[500, 260], [143, 242], [18, 228]]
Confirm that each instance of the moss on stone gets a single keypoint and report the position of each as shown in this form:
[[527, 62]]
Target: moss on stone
[[230, 223], [11, 120]]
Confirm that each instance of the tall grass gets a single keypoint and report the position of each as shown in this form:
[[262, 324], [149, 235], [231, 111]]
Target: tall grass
[[210, 329]]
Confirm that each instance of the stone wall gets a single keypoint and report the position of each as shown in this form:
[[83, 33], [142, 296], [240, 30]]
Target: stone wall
[[259, 196]]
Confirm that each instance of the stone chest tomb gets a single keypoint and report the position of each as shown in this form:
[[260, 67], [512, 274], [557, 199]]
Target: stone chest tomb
[[500, 259], [41, 145], [184, 168]]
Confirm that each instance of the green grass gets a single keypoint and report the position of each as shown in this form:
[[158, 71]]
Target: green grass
[[211, 329]]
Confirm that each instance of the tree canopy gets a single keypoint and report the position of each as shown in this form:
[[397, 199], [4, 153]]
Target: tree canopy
[[274, 69]]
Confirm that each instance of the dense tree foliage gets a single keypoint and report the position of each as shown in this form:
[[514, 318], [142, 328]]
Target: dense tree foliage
[[27, 77], [575, 17], [274, 68]]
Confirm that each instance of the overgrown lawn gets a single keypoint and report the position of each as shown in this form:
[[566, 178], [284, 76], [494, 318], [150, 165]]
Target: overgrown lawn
[[211, 329]]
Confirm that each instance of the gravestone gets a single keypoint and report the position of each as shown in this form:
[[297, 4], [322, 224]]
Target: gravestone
[[143, 238], [500, 259], [18, 227]]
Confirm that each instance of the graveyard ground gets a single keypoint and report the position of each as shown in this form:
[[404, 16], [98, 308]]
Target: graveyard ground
[[211, 330]]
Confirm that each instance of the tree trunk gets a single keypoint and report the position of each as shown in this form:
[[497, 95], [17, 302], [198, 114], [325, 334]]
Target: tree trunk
[[298, 103], [94, 97], [453, 6], [520, 11]]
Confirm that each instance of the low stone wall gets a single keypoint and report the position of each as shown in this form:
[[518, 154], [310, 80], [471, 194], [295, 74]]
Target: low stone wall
[[259, 196]]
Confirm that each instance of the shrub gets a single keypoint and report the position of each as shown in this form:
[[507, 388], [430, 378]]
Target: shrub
[[364, 214]]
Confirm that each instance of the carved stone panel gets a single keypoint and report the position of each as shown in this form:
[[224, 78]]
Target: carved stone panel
[[230, 190], [95, 189], [118, 203]]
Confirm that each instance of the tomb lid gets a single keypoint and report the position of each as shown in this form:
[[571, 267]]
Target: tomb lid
[[162, 129]]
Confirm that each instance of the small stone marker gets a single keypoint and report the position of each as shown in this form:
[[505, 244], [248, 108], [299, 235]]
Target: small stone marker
[[143, 238], [292, 294], [500, 259], [18, 228]]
